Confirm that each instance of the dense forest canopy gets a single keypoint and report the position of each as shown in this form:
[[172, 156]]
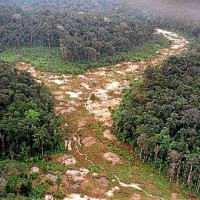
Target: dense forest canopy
[[28, 125], [91, 30], [79, 33], [160, 115]]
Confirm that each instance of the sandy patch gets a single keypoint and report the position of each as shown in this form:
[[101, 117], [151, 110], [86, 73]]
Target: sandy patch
[[53, 76], [57, 93], [68, 110], [131, 185], [86, 86], [74, 186], [52, 177], [60, 98], [103, 102], [82, 76], [100, 73], [35, 169], [113, 86], [127, 63], [77, 175], [88, 141], [74, 94], [112, 157], [174, 196], [125, 84], [136, 197], [101, 108], [103, 182], [48, 197], [121, 72], [67, 160], [39, 81], [110, 193], [101, 114], [107, 134], [64, 87], [132, 68], [112, 103], [81, 123], [58, 82], [64, 76], [79, 197]]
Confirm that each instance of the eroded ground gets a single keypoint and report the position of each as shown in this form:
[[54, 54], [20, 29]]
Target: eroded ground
[[98, 166]]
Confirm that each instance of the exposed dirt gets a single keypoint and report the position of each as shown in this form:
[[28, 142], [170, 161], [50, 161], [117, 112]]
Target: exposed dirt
[[109, 135], [77, 175], [88, 141], [74, 186], [103, 182], [173, 196], [52, 177], [34, 169], [86, 102], [67, 160], [112, 157], [136, 197]]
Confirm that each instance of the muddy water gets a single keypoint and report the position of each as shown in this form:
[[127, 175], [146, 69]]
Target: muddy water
[[86, 102]]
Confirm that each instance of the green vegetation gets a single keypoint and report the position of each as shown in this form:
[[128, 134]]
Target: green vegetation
[[93, 167], [16, 182], [46, 166], [161, 116], [48, 59], [14, 178], [99, 129], [78, 35], [43, 58], [28, 125], [124, 173], [59, 194]]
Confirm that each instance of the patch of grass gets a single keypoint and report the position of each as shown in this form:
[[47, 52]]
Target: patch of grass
[[33, 176], [99, 129], [59, 180], [48, 165], [144, 173], [44, 59], [93, 97], [157, 179], [94, 168], [123, 172], [49, 181], [160, 181], [38, 191], [59, 194], [48, 59], [147, 50]]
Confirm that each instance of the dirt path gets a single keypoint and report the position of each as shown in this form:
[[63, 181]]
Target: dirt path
[[97, 168]]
